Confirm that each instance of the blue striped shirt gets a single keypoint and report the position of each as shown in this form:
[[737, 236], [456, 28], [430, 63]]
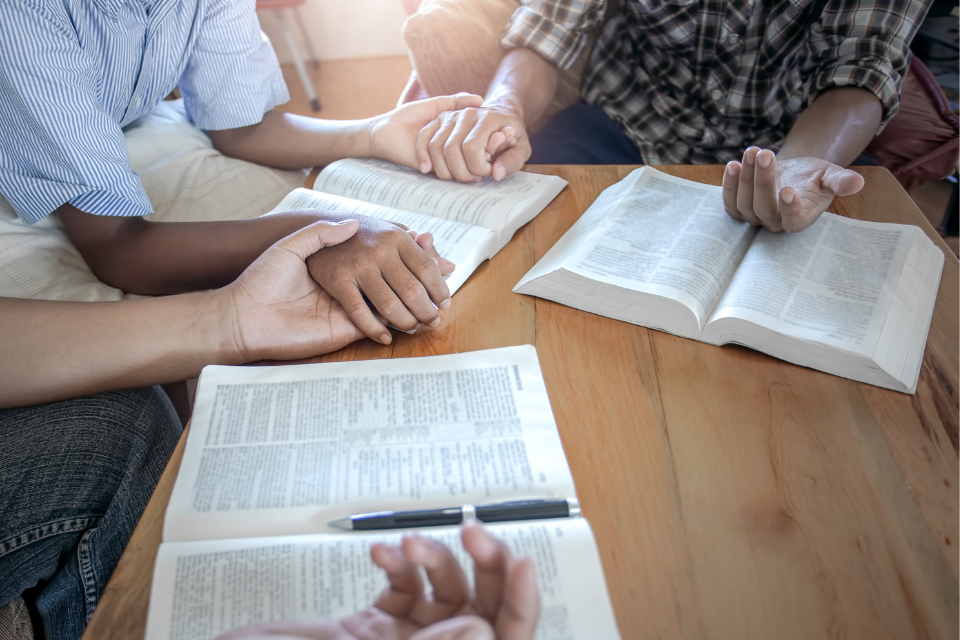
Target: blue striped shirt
[[73, 73]]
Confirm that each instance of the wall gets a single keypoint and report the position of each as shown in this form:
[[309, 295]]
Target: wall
[[343, 29]]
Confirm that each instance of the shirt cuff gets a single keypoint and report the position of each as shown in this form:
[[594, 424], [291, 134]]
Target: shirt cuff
[[107, 203], [530, 30], [877, 77]]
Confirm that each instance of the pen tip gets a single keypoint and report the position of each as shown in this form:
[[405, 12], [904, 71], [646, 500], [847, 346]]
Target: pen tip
[[341, 523]]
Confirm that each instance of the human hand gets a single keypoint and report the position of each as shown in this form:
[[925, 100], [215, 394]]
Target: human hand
[[473, 143], [393, 135], [505, 604], [784, 195], [275, 310], [400, 272]]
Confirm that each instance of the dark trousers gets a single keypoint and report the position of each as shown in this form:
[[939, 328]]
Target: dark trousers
[[75, 477]]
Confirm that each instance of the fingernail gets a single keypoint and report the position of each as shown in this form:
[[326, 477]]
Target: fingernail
[[498, 173], [424, 167], [435, 323], [787, 197], [445, 304], [763, 159], [733, 168], [749, 158], [385, 338], [488, 156]]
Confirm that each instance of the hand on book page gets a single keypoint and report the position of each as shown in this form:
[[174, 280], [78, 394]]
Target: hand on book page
[[504, 603], [383, 262], [274, 310], [783, 195]]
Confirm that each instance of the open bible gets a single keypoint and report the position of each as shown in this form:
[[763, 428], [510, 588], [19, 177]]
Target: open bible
[[470, 222], [847, 297], [275, 453]]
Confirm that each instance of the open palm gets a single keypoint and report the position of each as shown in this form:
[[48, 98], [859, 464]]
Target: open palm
[[505, 603], [783, 194]]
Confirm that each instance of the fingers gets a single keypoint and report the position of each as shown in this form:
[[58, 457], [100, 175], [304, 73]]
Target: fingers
[[731, 179], [490, 559], [310, 239], [450, 589], [350, 297], [425, 268], [766, 202], [842, 182], [517, 617], [745, 186], [791, 210], [511, 160], [405, 588], [425, 241]]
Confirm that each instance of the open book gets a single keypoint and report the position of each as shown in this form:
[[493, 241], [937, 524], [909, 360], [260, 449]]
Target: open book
[[470, 222], [847, 297], [275, 453]]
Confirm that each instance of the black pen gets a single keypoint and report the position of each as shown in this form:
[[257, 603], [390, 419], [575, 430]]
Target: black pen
[[497, 512]]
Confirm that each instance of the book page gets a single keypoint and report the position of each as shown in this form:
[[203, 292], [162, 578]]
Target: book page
[[463, 244], [668, 237], [283, 450], [831, 283], [486, 203], [203, 589]]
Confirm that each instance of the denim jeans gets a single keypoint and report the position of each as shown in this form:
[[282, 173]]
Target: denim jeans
[[75, 477]]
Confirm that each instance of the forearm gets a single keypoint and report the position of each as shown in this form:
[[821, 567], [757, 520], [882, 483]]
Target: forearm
[[59, 350], [289, 141], [159, 258], [525, 84], [836, 127]]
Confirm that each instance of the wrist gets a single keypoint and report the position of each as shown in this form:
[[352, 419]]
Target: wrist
[[220, 334]]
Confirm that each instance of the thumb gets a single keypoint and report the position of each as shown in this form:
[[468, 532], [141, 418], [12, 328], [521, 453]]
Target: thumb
[[307, 241], [510, 161], [453, 103], [842, 182]]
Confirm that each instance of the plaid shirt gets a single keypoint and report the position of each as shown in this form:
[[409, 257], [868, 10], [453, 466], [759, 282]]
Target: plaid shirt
[[697, 81]]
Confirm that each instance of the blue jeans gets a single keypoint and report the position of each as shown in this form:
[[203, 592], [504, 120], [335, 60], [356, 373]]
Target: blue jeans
[[75, 477]]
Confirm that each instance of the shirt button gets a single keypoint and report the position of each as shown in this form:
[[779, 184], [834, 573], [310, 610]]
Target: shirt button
[[716, 94], [733, 39], [136, 103]]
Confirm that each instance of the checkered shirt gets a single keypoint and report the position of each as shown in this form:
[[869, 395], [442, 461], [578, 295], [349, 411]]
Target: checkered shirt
[[697, 81]]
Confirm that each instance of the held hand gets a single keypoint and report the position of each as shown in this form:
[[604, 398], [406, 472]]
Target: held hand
[[473, 143], [785, 195], [505, 604], [398, 271], [394, 135], [275, 310]]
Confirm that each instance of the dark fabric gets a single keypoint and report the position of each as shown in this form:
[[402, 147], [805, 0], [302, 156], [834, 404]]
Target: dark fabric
[[582, 134], [76, 476]]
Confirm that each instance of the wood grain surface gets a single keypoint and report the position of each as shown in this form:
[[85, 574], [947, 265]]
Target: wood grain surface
[[732, 495]]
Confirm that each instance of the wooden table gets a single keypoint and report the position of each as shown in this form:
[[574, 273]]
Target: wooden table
[[732, 495]]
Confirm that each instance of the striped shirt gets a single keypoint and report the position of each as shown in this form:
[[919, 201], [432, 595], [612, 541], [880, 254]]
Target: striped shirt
[[73, 73], [697, 81]]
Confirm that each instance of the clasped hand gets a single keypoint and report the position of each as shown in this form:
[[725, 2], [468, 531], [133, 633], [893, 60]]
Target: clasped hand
[[504, 604]]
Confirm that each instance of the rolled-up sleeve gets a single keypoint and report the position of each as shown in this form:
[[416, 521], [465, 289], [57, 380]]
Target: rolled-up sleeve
[[555, 29], [232, 77], [57, 144], [865, 44]]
